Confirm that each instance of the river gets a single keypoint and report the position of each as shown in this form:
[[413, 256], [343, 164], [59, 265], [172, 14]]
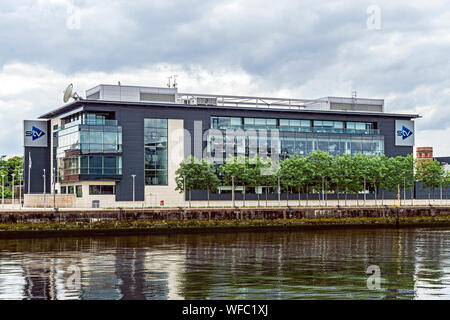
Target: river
[[314, 264]]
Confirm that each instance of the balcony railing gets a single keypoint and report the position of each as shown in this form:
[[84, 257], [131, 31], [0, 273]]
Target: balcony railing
[[305, 129]]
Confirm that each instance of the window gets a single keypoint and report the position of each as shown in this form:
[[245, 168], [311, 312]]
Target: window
[[295, 125], [70, 190], [101, 189], [155, 150], [63, 190], [79, 191]]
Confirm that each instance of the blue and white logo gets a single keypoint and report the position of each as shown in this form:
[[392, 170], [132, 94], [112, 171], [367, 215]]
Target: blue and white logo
[[405, 133], [35, 133]]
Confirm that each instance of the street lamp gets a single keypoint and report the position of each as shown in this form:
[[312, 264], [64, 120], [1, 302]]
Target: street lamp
[[13, 175], [279, 192], [3, 191], [134, 177], [184, 189], [45, 203], [20, 188], [54, 187], [232, 190]]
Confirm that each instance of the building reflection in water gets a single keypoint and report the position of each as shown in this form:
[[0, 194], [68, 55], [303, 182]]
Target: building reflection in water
[[414, 264]]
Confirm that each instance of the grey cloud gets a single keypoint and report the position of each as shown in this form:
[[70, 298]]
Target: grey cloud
[[307, 48]]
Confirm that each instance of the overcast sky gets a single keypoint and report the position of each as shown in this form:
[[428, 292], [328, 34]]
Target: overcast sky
[[395, 50]]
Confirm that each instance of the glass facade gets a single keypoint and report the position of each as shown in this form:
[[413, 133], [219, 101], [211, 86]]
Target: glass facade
[[90, 138], [96, 166], [89, 143], [155, 151], [290, 136], [101, 189]]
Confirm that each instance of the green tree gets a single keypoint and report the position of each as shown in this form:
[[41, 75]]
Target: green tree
[[189, 176], [319, 163], [237, 168], [340, 174], [395, 174], [430, 174], [208, 177], [257, 170], [269, 176], [408, 165], [8, 167], [292, 175]]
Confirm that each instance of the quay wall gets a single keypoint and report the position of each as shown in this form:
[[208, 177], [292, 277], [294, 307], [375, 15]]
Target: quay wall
[[216, 214]]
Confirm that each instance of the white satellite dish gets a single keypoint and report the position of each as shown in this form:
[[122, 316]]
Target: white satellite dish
[[69, 94]]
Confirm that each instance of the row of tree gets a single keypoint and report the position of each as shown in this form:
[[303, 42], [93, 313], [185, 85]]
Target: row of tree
[[317, 172], [8, 167]]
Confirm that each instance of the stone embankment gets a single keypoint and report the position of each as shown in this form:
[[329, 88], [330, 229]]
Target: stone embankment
[[73, 222], [186, 214]]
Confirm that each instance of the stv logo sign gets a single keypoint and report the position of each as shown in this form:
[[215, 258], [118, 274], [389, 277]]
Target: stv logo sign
[[404, 133], [35, 133]]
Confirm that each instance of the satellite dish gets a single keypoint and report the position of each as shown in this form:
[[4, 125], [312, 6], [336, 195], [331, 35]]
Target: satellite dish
[[69, 94]]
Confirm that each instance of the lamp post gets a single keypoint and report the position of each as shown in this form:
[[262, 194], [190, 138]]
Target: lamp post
[[20, 188], [134, 177], [184, 189], [12, 189], [29, 172], [364, 191], [45, 203], [279, 192], [3, 191], [232, 190], [54, 187]]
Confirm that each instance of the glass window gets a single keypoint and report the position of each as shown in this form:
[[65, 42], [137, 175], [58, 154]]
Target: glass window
[[63, 190], [70, 189], [317, 123], [339, 124], [155, 152], [249, 121], [79, 191], [294, 123], [101, 189], [235, 121], [305, 123], [260, 122]]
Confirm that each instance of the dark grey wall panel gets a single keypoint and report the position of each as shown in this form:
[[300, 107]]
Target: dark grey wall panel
[[132, 123], [40, 160]]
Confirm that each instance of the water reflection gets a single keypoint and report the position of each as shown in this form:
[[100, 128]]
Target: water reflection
[[320, 264]]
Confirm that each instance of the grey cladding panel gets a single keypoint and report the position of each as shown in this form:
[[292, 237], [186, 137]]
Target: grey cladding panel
[[359, 107], [94, 96], [157, 97]]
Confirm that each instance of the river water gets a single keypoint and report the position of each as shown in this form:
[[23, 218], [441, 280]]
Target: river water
[[313, 264]]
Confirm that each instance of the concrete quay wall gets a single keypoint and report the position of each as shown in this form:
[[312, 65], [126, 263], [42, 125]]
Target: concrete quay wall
[[218, 214]]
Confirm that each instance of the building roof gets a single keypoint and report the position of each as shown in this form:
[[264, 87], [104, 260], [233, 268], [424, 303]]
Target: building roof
[[170, 97], [80, 103]]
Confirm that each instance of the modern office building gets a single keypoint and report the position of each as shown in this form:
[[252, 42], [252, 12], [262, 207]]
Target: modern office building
[[124, 143]]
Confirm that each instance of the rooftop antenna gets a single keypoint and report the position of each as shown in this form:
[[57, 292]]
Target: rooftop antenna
[[68, 93], [175, 81], [354, 100], [168, 82]]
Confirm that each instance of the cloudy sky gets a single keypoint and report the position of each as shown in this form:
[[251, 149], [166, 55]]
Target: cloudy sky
[[395, 50]]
